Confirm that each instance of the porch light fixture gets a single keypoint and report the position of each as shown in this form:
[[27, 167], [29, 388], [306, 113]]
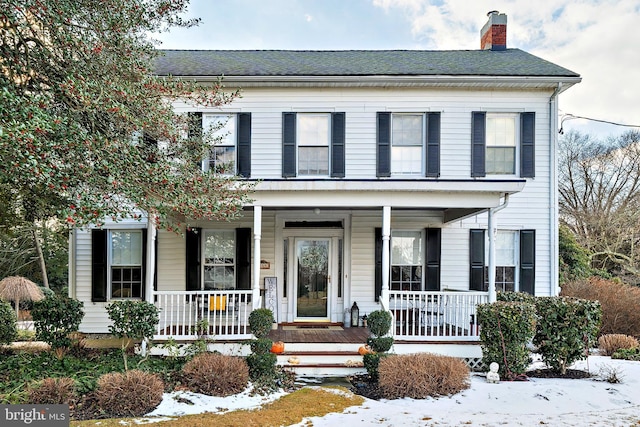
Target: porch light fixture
[[355, 315]]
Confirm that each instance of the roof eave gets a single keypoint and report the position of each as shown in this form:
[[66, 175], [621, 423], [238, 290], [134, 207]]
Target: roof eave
[[534, 82]]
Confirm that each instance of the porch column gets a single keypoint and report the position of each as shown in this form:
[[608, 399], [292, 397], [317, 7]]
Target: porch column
[[386, 237], [150, 262], [492, 257], [257, 235]]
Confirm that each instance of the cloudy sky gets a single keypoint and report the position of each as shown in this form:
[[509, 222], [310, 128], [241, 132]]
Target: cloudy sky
[[599, 39]]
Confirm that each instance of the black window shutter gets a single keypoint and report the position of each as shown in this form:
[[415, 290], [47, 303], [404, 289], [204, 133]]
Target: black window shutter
[[194, 127], [384, 145], [433, 145], [192, 240], [527, 145], [243, 258], [337, 145], [288, 145], [244, 145], [478, 143], [527, 261], [144, 263], [476, 260], [99, 265], [433, 246], [378, 263]]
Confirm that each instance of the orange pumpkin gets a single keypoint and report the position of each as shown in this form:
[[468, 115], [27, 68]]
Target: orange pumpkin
[[277, 347], [365, 349]]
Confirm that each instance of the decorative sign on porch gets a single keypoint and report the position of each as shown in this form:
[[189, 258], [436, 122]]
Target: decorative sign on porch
[[265, 265], [271, 295]]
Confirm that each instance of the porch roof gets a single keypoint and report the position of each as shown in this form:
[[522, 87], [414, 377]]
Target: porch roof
[[456, 198]]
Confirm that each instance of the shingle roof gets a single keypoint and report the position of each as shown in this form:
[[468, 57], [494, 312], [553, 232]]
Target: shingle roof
[[510, 62]]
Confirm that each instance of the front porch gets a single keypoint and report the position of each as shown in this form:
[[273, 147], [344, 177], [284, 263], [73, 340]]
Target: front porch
[[419, 316]]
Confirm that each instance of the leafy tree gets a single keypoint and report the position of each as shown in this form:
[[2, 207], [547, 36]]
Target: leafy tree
[[87, 131], [599, 186], [575, 262]]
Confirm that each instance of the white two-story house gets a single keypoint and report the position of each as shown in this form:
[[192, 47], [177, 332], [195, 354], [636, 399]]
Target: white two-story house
[[412, 181]]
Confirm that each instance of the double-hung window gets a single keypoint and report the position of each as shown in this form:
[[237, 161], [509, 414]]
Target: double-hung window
[[408, 144], [219, 249], [314, 132], [407, 136], [506, 260], [503, 144], [407, 259], [125, 260], [313, 145], [221, 131]]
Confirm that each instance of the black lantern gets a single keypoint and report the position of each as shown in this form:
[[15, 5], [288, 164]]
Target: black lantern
[[355, 314]]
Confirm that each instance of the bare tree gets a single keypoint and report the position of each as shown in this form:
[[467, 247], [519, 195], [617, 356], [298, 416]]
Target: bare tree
[[599, 185]]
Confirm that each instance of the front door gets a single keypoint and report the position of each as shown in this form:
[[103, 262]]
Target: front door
[[312, 280]]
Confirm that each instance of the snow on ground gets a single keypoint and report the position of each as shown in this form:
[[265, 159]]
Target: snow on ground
[[552, 402]]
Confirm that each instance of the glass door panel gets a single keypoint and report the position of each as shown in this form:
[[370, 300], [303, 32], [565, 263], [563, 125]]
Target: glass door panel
[[312, 290]]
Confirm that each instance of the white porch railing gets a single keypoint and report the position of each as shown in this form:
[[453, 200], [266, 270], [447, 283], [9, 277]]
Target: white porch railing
[[186, 315], [436, 316]]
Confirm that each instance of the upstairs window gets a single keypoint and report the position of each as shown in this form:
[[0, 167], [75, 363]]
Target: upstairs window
[[221, 129], [408, 144], [314, 131], [313, 145], [407, 138], [501, 144]]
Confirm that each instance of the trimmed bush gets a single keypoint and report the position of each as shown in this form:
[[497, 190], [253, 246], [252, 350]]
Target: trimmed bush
[[566, 329], [371, 361], [507, 328], [619, 301], [53, 391], [380, 344], [610, 343], [55, 317], [216, 374], [421, 375], [262, 365], [508, 296], [260, 322], [8, 330], [379, 323], [129, 394], [261, 345]]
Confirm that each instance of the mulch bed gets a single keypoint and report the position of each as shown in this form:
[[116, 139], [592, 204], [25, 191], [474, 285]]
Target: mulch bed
[[574, 374]]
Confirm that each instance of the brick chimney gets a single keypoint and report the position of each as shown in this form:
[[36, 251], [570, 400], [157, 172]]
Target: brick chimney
[[494, 33]]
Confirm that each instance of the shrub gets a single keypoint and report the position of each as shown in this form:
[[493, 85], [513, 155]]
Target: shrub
[[53, 391], [132, 320], [216, 374], [627, 354], [371, 361], [55, 317], [516, 297], [507, 328], [379, 323], [421, 375], [260, 322], [566, 329], [380, 344], [619, 301], [261, 345], [8, 330], [611, 343], [129, 394], [262, 365]]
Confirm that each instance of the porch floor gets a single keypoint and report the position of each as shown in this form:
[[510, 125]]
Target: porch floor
[[319, 335]]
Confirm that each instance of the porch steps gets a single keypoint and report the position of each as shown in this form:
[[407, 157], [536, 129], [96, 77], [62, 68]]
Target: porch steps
[[322, 359]]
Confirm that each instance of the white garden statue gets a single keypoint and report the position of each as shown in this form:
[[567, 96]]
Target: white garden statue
[[493, 376]]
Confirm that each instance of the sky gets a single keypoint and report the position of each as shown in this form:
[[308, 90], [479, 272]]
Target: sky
[[537, 402], [597, 39]]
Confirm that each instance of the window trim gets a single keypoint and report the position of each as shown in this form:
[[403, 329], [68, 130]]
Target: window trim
[[516, 143], [203, 263], [300, 144], [212, 118], [110, 264], [421, 264], [422, 145]]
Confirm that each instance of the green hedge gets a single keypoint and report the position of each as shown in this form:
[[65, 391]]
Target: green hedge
[[567, 327], [8, 330], [507, 328]]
